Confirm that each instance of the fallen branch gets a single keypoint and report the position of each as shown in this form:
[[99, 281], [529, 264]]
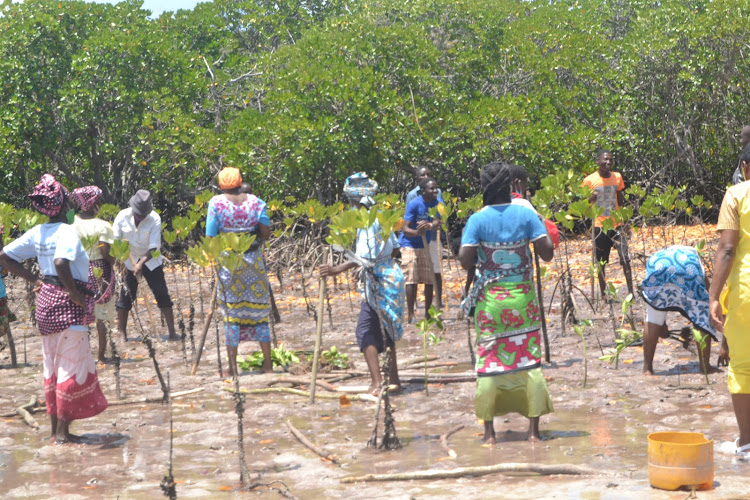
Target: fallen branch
[[438, 380], [302, 439], [297, 392], [173, 395], [362, 388], [686, 388], [299, 381], [24, 412], [444, 440], [542, 469], [410, 362]]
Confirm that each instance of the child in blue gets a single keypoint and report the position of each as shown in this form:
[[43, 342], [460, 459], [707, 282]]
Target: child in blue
[[416, 263]]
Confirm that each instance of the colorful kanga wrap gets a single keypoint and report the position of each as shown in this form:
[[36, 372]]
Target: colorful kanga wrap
[[86, 197], [507, 320], [48, 196], [71, 387], [675, 282], [55, 311], [244, 293], [383, 288]]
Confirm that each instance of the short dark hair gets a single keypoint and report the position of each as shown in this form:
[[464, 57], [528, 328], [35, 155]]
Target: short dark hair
[[419, 169], [423, 183], [745, 155], [601, 151], [518, 172]]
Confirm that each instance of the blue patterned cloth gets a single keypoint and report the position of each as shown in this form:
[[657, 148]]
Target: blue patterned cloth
[[675, 282]]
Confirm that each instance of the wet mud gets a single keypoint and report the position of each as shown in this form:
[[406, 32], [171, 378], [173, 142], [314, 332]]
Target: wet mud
[[603, 426]]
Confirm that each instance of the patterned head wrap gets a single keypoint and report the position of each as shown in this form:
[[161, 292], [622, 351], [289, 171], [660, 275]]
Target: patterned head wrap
[[87, 197], [48, 196], [495, 179], [360, 188], [230, 178]]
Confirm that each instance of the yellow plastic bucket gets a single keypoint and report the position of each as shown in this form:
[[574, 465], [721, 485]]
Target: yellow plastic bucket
[[680, 459]]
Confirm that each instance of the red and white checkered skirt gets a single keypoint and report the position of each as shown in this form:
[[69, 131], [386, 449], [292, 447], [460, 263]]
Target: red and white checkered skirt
[[71, 387]]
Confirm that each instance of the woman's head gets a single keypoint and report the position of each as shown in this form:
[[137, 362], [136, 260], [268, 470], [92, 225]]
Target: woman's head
[[359, 189], [518, 178], [745, 164], [495, 180], [229, 178], [49, 196], [87, 198]]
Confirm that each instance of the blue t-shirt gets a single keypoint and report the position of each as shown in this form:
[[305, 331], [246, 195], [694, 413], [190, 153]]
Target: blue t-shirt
[[417, 192], [2, 284], [503, 224], [417, 210]]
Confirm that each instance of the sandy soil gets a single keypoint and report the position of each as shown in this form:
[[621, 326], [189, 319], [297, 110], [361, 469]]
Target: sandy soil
[[603, 426]]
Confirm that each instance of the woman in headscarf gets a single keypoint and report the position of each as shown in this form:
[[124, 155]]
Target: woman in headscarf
[[729, 308], [244, 292], [381, 286], [675, 281], [503, 301], [96, 235], [64, 309]]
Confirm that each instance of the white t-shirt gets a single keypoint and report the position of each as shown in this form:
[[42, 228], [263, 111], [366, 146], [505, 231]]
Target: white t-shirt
[[143, 237], [50, 241]]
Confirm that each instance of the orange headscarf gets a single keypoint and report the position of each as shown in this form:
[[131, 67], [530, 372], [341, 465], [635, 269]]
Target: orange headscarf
[[230, 178]]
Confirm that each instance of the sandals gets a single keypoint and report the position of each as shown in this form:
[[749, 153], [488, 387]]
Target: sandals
[[733, 448]]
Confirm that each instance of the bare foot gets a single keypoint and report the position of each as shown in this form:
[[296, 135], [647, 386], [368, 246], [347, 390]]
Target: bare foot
[[648, 371], [374, 390], [534, 438], [173, 338], [489, 433], [266, 370]]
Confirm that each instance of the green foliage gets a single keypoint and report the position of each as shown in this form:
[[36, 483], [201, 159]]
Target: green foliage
[[120, 250], [336, 358], [279, 357], [701, 340]]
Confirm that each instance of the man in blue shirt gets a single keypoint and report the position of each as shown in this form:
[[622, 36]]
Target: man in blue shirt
[[416, 263]]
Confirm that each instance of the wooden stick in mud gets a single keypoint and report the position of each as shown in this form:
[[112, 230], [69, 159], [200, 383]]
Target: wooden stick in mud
[[439, 380], [173, 395], [302, 439], [297, 392], [429, 263], [540, 300], [444, 440], [206, 324], [410, 362], [300, 381], [542, 469], [318, 330]]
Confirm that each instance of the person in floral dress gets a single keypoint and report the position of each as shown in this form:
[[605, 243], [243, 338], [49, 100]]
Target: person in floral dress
[[504, 304], [243, 292]]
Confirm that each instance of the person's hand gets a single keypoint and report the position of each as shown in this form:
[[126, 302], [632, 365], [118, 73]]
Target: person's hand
[[326, 270], [137, 269], [716, 314], [77, 298], [37, 286], [423, 226], [723, 353]]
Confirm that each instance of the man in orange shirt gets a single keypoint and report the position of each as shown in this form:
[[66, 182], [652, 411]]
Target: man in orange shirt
[[608, 187]]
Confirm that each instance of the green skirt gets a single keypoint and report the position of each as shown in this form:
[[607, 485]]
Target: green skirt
[[523, 392]]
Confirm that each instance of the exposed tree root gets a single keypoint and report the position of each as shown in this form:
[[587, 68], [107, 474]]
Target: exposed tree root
[[444, 440]]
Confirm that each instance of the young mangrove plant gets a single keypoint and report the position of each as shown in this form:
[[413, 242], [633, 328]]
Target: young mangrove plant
[[580, 331], [432, 332]]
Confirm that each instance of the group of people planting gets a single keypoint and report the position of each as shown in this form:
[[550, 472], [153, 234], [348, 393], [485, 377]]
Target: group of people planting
[[499, 244]]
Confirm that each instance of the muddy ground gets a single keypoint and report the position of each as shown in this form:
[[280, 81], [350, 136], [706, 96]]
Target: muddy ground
[[602, 426]]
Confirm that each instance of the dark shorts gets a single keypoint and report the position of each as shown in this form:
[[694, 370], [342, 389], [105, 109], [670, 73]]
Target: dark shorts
[[368, 330], [604, 242], [156, 282]]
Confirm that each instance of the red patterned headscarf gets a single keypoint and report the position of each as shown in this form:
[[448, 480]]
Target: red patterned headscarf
[[86, 197], [48, 196]]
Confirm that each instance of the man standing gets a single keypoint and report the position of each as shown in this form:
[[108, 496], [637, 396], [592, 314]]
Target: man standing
[[434, 244], [415, 262], [608, 187], [141, 227]]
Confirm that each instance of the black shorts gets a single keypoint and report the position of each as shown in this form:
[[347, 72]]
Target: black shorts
[[368, 329], [156, 282], [603, 243]]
